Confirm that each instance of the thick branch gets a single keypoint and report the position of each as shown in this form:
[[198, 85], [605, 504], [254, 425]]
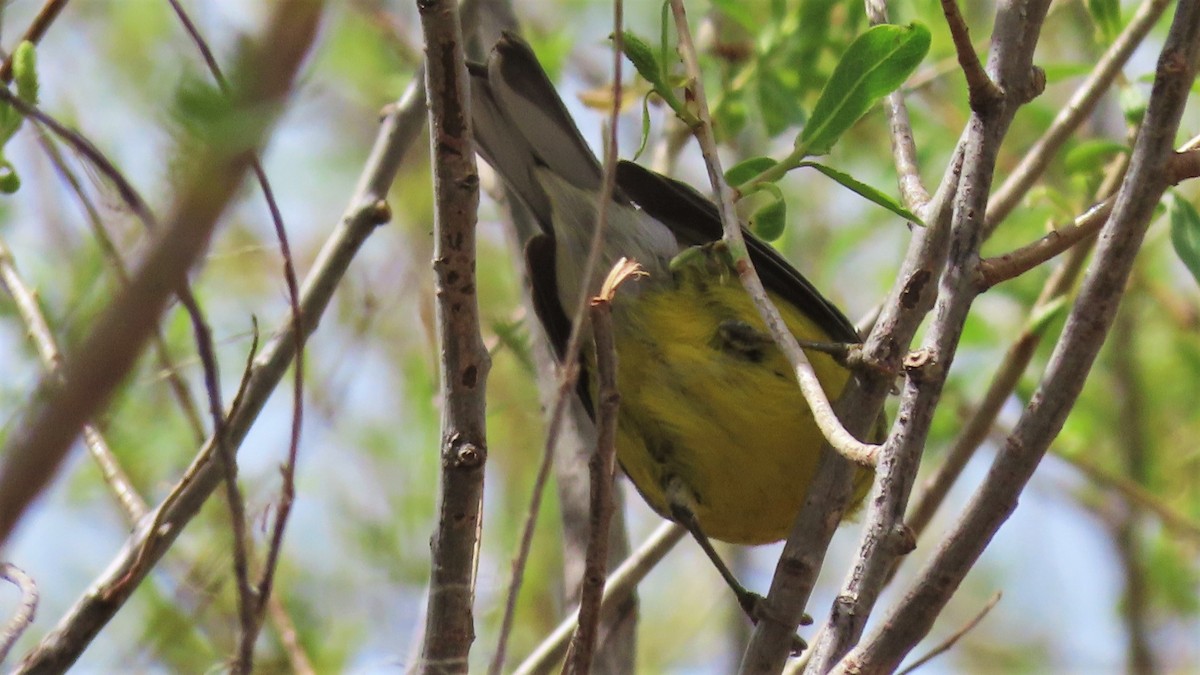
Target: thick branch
[[464, 361]]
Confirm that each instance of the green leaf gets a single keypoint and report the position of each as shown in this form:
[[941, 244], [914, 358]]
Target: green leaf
[[1107, 15], [1185, 234], [874, 65], [1057, 72], [645, 127], [768, 221], [739, 11], [746, 169], [10, 121], [729, 115], [642, 58], [10, 182], [1092, 154], [25, 72], [867, 192]]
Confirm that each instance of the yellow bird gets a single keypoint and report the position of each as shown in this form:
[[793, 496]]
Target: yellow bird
[[712, 427]]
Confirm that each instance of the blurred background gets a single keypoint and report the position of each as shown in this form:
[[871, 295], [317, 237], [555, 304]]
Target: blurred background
[[1098, 563]]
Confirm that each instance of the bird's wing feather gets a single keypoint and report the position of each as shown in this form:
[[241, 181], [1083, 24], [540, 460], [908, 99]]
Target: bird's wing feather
[[695, 221]]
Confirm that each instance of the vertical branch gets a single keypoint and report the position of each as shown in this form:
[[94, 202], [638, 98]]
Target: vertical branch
[[601, 467], [1073, 356], [449, 628]]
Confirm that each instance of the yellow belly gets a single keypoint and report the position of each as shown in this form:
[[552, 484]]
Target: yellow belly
[[721, 428]]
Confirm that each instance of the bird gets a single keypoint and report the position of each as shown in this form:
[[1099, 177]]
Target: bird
[[712, 428]]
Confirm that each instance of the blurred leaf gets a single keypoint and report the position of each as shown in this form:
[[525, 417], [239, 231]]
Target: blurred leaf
[[779, 101], [1107, 15], [729, 115], [1185, 234], [867, 192], [1092, 154], [1057, 72], [739, 11], [1133, 105], [878, 62], [512, 336], [1044, 315]]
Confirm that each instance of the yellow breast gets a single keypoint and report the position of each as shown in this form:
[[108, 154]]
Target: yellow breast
[[710, 412]]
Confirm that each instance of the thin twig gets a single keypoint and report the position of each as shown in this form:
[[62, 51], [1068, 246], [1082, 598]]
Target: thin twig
[[904, 148], [957, 635], [1178, 523], [601, 467], [43, 339], [1013, 264], [288, 488], [158, 341], [983, 92], [620, 584], [602, 463], [26, 610], [41, 23], [289, 637]]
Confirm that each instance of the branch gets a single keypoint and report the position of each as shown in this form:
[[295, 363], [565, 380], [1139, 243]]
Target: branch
[[1034, 162], [288, 471], [23, 617], [1011, 265], [981, 90], [949, 642], [602, 464], [43, 339], [885, 537], [620, 586], [904, 149], [464, 361], [41, 23], [1070, 362], [569, 370], [859, 405]]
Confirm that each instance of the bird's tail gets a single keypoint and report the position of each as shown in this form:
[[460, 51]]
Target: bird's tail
[[521, 125]]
